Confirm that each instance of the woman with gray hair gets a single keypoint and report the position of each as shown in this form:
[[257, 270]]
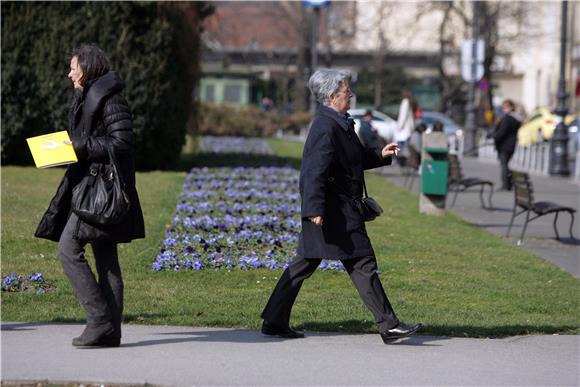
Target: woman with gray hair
[[331, 183]]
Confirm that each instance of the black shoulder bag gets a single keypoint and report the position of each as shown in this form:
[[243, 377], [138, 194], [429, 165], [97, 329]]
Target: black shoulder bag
[[100, 197], [366, 206]]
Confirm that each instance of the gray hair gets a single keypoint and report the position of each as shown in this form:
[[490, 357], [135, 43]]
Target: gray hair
[[326, 82]]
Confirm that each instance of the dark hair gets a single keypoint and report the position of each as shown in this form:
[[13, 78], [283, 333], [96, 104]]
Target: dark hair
[[438, 126], [421, 127], [368, 113], [92, 61], [509, 102], [412, 102]]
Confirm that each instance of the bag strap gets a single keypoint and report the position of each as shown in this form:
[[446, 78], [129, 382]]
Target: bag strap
[[113, 161], [331, 179], [365, 188]]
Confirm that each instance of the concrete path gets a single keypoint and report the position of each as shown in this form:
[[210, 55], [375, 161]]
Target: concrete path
[[183, 356], [540, 237]]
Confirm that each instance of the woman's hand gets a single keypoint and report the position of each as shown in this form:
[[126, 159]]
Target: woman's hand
[[390, 149], [317, 220]]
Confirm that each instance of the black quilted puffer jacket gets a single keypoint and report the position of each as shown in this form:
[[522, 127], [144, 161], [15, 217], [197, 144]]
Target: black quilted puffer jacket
[[96, 114]]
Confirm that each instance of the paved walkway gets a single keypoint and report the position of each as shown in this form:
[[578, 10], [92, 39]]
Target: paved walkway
[[540, 238], [183, 356]]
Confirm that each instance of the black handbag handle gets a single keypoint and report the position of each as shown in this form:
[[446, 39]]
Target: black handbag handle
[[113, 161]]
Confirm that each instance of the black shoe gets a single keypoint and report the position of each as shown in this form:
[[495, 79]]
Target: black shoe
[[95, 335], [286, 332], [109, 341], [399, 331]]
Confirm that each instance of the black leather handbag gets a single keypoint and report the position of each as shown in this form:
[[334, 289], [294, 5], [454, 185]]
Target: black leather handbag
[[100, 197], [366, 206]]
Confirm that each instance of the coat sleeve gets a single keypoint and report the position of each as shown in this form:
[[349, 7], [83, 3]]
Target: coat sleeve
[[119, 131], [316, 161], [501, 131], [372, 158]]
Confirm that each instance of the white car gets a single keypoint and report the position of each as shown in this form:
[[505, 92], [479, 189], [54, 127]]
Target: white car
[[385, 125]]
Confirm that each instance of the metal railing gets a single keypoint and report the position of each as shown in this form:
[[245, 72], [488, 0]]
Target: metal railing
[[534, 158]]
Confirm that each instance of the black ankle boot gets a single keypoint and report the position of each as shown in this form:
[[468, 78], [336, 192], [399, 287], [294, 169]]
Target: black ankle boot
[[94, 334]]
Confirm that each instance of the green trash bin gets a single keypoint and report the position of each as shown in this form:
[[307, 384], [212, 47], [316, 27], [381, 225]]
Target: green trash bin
[[434, 172]]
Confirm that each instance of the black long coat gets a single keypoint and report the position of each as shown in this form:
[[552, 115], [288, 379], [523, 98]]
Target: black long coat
[[506, 134], [95, 114], [333, 151]]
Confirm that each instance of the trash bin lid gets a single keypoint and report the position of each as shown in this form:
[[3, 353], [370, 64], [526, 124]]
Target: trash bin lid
[[439, 150]]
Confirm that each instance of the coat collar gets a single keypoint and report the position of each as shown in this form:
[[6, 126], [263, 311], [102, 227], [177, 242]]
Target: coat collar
[[95, 93], [344, 120]]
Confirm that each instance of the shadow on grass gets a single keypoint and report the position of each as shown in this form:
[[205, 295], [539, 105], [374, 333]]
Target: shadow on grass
[[189, 161]]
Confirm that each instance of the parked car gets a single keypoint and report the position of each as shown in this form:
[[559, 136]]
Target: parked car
[[540, 126], [453, 130], [384, 124]]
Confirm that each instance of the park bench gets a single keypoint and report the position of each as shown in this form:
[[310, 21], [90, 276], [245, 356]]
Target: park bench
[[458, 183], [524, 199]]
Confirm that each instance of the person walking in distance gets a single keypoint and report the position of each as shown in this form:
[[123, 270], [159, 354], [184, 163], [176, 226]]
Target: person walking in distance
[[100, 124], [331, 178], [505, 138]]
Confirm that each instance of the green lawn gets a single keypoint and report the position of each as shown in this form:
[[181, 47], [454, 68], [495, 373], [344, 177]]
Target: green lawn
[[456, 279]]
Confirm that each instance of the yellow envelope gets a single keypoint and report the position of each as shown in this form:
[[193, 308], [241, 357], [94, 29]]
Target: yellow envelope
[[49, 150]]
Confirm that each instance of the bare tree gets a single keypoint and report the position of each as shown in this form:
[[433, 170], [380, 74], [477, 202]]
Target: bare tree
[[455, 24], [295, 11], [381, 50]]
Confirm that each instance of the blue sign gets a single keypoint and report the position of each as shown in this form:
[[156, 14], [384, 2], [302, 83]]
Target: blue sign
[[316, 3]]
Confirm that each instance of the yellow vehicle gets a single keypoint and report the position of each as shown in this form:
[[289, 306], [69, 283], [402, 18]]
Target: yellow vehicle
[[540, 126]]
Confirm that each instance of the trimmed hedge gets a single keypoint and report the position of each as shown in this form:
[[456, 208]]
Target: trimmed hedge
[[223, 120], [154, 46]]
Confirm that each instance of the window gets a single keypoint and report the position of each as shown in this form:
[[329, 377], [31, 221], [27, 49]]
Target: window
[[232, 93], [210, 93]]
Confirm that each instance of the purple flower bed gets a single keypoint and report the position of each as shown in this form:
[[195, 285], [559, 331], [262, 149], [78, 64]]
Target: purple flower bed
[[33, 282], [230, 144], [226, 218]]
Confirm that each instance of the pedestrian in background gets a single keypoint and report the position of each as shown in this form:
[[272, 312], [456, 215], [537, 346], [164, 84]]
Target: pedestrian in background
[[367, 133], [505, 138], [331, 180], [405, 120], [415, 145], [99, 120], [438, 127]]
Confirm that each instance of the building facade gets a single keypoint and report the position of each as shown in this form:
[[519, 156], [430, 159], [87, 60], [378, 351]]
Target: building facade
[[271, 41]]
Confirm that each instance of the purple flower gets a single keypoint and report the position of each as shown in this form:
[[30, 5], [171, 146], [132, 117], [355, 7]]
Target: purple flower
[[234, 217]]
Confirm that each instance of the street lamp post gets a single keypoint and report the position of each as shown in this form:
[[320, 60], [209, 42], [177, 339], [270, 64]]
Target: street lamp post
[[470, 119], [559, 141], [314, 25], [314, 51]]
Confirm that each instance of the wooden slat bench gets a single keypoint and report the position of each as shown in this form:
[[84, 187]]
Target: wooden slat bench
[[459, 183], [524, 199]]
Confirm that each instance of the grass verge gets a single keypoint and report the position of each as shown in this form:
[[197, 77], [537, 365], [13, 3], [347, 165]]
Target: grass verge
[[458, 280]]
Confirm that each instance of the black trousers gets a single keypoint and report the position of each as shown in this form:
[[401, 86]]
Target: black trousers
[[102, 300], [362, 272], [506, 174]]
